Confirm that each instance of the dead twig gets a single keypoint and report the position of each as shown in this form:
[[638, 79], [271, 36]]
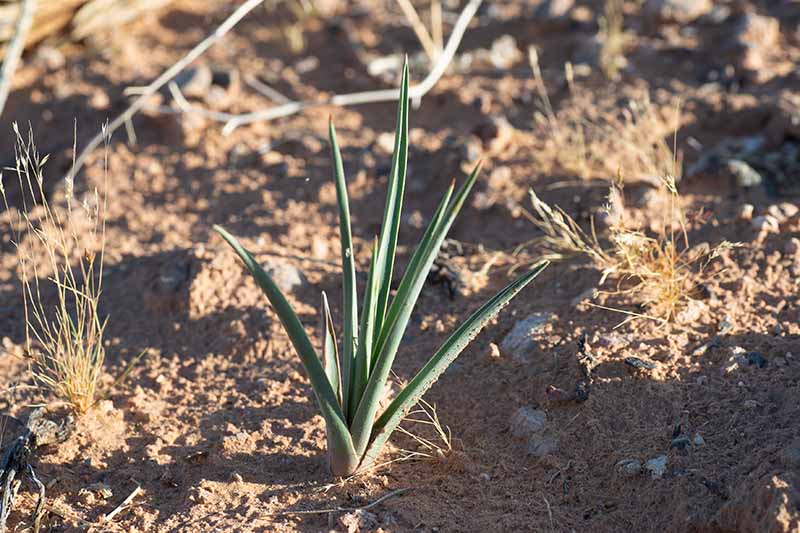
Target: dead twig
[[124, 505], [431, 50], [415, 93], [14, 52], [162, 80]]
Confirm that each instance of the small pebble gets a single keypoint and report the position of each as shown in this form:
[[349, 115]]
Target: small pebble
[[765, 223], [640, 364], [792, 246], [745, 212], [745, 176], [657, 466], [680, 443], [699, 440], [494, 351], [755, 358]]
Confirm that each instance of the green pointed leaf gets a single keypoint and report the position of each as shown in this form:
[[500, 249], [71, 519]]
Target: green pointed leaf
[[340, 443], [364, 349], [394, 328], [445, 355], [394, 202], [330, 353], [350, 296]]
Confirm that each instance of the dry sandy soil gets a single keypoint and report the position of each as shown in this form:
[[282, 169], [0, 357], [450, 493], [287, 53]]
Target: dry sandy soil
[[217, 423]]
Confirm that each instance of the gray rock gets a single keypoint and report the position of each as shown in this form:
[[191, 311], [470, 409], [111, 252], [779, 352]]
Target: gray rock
[[657, 466], [755, 358], [504, 52], [792, 247], [629, 467], [681, 11], [680, 443], [285, 276], [527, 421], [765, 223], [519, 343], [531, 424], [699, 440], [753, 37], [358, 520], [744, 175]]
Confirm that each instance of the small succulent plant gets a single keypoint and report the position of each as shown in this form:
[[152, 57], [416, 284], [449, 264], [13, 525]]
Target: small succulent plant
[[350, 382]]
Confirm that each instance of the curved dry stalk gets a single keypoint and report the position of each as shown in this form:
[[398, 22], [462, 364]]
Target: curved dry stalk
[[415, 93], [14, 51], [162, 80]]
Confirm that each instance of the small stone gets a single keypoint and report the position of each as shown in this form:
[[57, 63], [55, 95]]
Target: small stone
[[681, 11], [519, 343], [755, 358], [504, 52], [701, 380], [725, 325], [754, 36], [680, 443], [718, 14], [745, 212], [765, 224], [494, 351], [237, 477], [691, 312], [657, 466], [698, 440], [640, 364], [614, 340], [792, 247], [629, 467], [99, 100], [285, 276], [485, 477], [385, 142], [788, 209], [358, 521], [753, 29], [527, 421], [744, 175], [52, 57]]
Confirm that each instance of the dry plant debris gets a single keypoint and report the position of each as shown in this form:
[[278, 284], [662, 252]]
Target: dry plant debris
[[660, 272]]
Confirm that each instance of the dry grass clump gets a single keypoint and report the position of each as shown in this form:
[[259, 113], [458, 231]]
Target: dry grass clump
[[60, 251], [592, 138], [659, 271]]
